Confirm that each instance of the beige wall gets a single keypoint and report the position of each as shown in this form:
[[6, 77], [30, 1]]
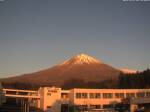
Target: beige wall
[[53, 97], [50, 98], [101, 100]]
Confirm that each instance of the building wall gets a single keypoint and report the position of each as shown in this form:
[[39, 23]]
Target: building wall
[[104, 96], [50, 99]]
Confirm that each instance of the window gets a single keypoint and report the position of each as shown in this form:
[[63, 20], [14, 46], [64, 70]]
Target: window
[[97, 106], [78, 95], [81, 95], [106, 106], [97, 95], [64, 95], [48, 94], [119, 95], [91, 95], [130, 95], [140, 94], [84, 95], [48, 107], [107, 95], [147, 94]]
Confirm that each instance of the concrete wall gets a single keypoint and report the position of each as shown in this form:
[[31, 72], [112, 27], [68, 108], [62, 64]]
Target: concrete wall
[[102, 101], [50, 99]]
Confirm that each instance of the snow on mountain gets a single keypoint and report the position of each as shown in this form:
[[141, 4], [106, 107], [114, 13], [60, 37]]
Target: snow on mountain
[[126, 70], [81, 59]]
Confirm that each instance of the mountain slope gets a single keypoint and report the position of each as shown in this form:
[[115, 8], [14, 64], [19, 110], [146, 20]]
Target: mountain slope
[[78, 67]]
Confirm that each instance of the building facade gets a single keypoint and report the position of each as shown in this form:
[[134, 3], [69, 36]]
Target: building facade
[[55, 99], [52, 98]]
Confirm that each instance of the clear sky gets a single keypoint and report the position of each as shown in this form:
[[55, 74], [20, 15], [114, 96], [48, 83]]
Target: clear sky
[[37, 34]]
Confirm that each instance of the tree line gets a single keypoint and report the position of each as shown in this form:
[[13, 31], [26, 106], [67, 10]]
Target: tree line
[[136, 80]]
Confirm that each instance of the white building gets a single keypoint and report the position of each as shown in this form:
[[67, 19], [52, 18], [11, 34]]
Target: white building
[[53, 99]]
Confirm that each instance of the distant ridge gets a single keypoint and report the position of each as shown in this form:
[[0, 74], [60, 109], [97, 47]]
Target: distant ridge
[[81, 66]]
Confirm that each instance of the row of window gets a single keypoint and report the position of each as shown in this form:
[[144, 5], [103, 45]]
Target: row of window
[[94, 106], [89, 106], [110, 95]]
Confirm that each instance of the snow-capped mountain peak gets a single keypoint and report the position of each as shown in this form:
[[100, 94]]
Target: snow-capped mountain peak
[[81, 59]]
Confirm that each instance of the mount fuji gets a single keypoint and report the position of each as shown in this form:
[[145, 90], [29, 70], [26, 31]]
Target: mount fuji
[[81, 66]]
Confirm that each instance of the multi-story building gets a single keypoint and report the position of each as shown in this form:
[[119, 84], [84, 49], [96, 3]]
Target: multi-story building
[[55, 99], [52, 98]]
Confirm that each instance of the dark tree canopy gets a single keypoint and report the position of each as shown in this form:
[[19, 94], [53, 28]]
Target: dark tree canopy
[[137, 80]]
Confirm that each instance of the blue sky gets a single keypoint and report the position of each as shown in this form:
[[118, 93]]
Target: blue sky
[[37, 34]]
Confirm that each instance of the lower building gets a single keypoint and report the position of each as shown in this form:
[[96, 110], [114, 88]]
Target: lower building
[[57, 100]]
